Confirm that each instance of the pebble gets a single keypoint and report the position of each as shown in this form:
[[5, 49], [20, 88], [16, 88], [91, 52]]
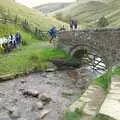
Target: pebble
[[39, 105]]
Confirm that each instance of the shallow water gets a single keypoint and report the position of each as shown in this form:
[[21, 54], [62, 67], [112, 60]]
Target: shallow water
[[55, 84]]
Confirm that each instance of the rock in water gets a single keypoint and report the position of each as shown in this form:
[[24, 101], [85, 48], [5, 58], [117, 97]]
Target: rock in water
[[44, 98], [42, 114], [14, 113], [31, 92], [22, 81], [39, 105], [68, 92]]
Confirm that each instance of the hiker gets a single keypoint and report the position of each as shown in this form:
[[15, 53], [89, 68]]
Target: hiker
[[75, 24], [52, 32], [6, 47], [62, 29], [18, 39], [71, 24], [14, 42], [10, 40]]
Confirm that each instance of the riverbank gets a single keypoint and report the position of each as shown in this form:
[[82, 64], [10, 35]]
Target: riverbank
[[29, 58]]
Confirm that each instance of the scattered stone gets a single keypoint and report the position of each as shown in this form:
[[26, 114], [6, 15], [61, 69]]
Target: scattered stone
[[43, 114], [44, 75], [21, 89], [50, 69], [31, 92], [39, 105], [67, 92], [14, 113], [44, 98], [22, 81]]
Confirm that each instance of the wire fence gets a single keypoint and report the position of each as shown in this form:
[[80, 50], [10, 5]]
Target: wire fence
[[42, 35]]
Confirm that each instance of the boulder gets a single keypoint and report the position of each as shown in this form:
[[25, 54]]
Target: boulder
[[31, 92], [14, 113], [44, 98]]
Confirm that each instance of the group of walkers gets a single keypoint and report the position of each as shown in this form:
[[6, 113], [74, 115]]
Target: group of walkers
[[11, 42], [53, 31]]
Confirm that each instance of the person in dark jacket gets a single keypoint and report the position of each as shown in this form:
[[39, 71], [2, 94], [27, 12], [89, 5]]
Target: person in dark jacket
[[71, 24], [52, 32], [62, 29], [75, 24], [18, 39]]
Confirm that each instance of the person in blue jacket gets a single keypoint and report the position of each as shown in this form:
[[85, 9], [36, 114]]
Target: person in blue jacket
[[52, 32]]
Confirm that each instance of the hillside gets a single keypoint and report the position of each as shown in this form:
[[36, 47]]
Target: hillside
[[33, 53], [89, 11], [10, 10], [51, 7]]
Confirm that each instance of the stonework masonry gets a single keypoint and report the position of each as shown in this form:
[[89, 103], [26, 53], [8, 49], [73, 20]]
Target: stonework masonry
[[103, 42]]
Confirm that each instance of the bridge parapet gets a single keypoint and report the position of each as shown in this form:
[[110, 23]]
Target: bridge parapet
[[104, 42]]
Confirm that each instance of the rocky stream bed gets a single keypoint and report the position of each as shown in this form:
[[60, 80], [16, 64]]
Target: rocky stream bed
[[42, 96]]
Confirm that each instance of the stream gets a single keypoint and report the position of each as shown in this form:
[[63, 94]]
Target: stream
[[42, 96]]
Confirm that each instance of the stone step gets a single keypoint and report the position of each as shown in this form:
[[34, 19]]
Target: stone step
[[111, 105], [90, 101]]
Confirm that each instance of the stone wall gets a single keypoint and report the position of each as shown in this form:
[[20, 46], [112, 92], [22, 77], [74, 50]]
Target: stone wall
[[103, 42]]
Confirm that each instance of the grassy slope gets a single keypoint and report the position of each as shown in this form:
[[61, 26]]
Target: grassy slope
[[51, 7], [32, 56], [36, 53], [11, 9], [89, 12]]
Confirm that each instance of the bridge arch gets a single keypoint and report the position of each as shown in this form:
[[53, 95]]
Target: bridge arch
[[89, 50]]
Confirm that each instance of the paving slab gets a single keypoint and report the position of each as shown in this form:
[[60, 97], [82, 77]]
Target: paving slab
[[90, 101], [111, 105]]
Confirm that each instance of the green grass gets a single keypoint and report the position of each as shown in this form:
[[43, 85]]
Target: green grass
[[9, 9], [102, 117], [104, 80], [51, 7], [76, 115], [34, 55], [117, 70], [28, 58]]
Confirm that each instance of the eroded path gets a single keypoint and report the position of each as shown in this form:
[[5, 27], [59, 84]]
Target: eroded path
[[62, 87]]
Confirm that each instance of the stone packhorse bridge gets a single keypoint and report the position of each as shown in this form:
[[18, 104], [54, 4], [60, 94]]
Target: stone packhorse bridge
[[102, 42]]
